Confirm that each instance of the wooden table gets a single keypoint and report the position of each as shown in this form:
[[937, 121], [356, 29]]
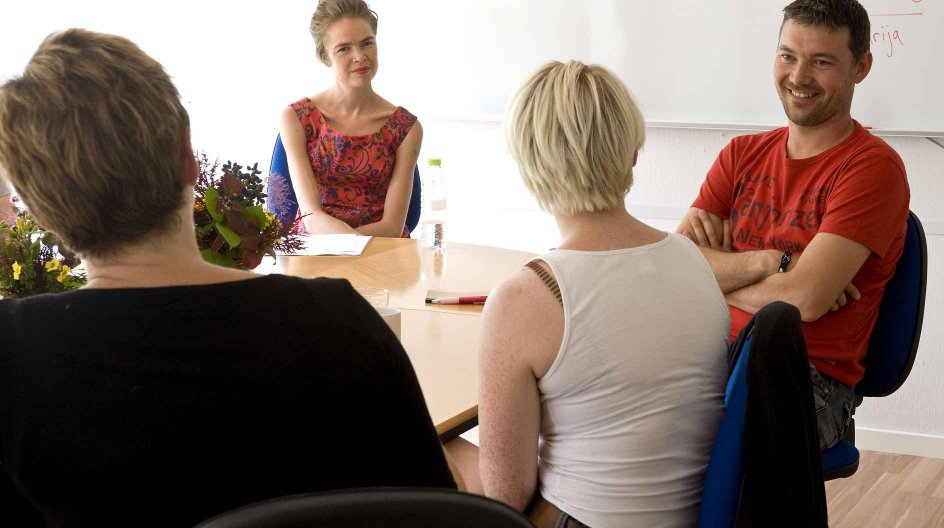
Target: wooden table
[[442, 341]]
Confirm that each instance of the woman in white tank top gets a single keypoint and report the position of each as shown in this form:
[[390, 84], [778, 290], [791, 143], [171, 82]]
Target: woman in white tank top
[[603, 362]]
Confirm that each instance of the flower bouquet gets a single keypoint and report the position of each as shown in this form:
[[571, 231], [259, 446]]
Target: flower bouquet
[[233, 227], [33, 260]]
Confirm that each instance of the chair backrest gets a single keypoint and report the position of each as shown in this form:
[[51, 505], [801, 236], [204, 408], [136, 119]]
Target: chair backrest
[[373, 508], [416, 200], [722, 488], [280, 195], [281, 198], [897, 331]]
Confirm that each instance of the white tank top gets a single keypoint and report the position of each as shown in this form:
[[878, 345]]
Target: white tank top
[[631, 404]]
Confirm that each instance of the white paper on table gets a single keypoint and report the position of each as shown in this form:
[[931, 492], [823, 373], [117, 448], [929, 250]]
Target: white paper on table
[[341, 244]]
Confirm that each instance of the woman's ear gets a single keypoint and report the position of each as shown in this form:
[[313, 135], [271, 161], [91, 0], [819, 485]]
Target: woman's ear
[[635, 157]]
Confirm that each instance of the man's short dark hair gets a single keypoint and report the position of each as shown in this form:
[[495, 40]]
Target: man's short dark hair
[[834, 14]]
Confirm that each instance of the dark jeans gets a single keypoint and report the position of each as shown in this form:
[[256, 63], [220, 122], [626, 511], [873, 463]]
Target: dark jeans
[[835, 404]]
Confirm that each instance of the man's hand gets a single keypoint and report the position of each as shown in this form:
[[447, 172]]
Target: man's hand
[[849, 292], [707, 230]]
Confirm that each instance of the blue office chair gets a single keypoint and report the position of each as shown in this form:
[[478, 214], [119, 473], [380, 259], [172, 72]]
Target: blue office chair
[[725, 475], [766, 446], [283, 203], [374, 508], [894, 342]]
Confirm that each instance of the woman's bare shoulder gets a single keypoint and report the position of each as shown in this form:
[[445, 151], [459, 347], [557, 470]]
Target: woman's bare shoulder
[[524, 315], [521, 287]]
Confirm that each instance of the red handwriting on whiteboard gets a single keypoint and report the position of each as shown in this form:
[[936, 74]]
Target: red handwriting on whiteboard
[[888, 39]]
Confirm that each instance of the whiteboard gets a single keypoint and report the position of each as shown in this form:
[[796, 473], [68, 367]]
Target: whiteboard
[[688, 62], [702, 63]]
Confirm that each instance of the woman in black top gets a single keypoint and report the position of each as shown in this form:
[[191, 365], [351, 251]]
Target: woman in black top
[[168, 390]]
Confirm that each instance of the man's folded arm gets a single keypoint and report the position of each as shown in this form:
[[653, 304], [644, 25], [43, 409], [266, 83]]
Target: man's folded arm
[[819, 278], [732, 270]]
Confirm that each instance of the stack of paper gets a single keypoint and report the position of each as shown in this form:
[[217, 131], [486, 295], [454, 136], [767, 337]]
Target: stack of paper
[[344, 244]]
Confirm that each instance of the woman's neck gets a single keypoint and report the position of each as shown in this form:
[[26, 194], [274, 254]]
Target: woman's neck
[[171, 259], [604, 230], [350, 102]]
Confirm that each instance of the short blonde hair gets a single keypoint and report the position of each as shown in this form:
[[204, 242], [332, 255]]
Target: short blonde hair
[[574, 130], [330, 11], [92, 137]]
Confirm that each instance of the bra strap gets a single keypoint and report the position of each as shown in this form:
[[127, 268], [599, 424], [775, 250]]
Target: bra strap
[[548, 279]]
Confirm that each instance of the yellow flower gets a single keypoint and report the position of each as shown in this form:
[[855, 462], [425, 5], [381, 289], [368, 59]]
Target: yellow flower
[[52, 265], [16, 270], [19, 223], [64, 274]]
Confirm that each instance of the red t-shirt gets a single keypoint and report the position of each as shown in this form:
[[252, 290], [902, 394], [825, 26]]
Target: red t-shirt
[[857, 189]]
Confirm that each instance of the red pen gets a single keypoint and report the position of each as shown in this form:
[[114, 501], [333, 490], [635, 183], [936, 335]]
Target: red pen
[[475, 299]]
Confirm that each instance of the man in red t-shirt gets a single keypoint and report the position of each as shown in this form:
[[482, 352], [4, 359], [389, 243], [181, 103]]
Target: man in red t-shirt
[[822, 200]]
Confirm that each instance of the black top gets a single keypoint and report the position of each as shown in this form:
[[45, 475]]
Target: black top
[[166, 406]]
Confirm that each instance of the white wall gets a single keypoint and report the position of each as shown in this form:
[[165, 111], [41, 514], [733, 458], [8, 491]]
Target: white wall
[[236, 63], [490, 206]]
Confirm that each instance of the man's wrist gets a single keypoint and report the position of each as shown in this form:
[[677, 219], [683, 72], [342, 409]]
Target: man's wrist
[[767, 262]]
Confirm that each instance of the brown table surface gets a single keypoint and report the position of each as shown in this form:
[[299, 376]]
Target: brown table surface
[[442, 341]]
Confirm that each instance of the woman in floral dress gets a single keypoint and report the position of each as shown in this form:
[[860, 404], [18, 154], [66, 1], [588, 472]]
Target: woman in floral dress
[[350, 152]]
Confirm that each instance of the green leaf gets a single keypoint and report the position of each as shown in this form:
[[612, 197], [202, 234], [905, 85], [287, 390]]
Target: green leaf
[[232, 238], [211, 196], [218, 259], [257, 213]]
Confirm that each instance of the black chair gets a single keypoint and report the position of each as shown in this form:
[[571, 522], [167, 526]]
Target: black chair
[[894, 342], [281, 198], [374, 508]]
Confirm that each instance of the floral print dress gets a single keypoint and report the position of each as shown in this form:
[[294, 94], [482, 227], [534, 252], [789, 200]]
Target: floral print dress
[[352, 172]]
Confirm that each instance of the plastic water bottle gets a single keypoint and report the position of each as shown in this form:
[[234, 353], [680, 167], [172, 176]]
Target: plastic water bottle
[[433, 213]]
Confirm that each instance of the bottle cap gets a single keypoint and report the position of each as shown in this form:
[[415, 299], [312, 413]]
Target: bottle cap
[[434, 162]]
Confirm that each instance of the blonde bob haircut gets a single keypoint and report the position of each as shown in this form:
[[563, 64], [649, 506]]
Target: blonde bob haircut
[[93, 137], [574, 130]]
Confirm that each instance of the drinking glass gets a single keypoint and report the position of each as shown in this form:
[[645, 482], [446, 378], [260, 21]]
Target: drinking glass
[[377, 297]]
